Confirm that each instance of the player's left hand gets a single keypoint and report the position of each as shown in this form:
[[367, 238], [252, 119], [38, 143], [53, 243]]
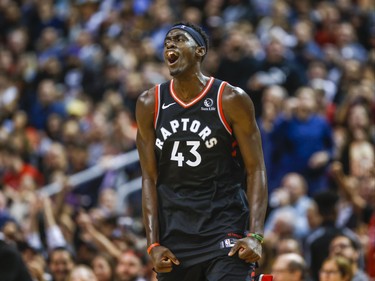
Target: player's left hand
[[248, 248]]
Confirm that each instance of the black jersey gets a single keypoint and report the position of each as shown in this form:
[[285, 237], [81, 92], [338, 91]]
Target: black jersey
[[201, 198]]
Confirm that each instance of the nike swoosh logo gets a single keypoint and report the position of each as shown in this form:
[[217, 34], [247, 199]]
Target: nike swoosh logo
[[164, 106]]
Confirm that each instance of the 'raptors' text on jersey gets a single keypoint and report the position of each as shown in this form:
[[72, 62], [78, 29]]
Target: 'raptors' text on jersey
[[194, 143], [201, 197]]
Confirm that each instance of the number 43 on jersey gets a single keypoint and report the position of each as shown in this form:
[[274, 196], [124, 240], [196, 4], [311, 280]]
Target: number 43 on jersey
[[180, 158]]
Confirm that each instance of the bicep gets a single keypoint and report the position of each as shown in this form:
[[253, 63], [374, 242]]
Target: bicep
[[239, 111], [146, 136]]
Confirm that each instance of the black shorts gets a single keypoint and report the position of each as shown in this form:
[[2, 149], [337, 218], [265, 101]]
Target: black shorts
[[222, 268]]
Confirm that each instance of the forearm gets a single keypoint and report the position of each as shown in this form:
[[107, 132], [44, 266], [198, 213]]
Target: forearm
[[257, 195], [49, 217], [32, 231], [104, 243], [31, 225], [150, 211], [59, 203], [358, 202]]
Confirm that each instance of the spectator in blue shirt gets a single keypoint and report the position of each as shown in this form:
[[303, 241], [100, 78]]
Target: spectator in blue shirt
[[46, 104], [303, 142]]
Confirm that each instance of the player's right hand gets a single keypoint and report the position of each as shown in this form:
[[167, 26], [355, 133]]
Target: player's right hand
[[163, 259], [248, 248]]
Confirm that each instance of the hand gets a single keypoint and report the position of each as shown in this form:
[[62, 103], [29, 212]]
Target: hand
[[35, 205], [318, 160], [84, 221], [279, 197], [336, 169], [249, 249], [163, 259], [36, 269]]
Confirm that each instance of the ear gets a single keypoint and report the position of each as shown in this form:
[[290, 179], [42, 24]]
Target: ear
[[200, 51]]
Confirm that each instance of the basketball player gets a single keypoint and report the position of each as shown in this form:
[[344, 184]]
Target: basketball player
[[198, 144]]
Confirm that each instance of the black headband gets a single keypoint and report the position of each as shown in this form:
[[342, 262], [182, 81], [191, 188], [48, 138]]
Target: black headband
[[198, 38]]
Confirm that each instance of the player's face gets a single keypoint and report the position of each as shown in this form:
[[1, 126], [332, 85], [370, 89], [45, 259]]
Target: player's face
[[179, 51]]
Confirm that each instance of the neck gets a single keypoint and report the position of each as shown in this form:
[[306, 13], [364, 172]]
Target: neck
[[304, 114], [189, 86]]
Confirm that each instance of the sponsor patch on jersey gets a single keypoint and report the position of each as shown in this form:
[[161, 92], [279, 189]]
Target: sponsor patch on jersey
[[208, 105]]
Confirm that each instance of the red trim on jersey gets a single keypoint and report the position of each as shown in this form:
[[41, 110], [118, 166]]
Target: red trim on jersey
[[199, 97], [156, 113], [220, 108], [234, 148]]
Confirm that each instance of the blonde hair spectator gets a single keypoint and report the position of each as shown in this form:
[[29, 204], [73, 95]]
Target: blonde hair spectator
[[336, 269], [82, 273]]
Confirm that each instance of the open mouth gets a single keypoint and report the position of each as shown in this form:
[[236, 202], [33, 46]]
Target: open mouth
[[172, 57]]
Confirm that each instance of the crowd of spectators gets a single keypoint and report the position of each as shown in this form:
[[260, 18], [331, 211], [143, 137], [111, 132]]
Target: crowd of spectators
[[70, 75]]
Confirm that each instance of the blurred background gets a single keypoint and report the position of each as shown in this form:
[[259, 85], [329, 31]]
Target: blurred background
[[70, 75]]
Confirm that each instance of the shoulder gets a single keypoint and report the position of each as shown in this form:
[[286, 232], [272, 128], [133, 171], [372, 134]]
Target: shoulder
[[232, 94], [145, 108], [147, 98], [236, 104]]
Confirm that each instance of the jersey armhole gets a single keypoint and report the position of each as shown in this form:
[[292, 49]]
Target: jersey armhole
[[220, 108], [157, 104]]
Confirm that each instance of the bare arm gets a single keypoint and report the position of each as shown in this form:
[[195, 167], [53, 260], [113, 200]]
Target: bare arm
[[100, 240], [54, 234], [32, 225], [239, 111], [350, 193], [161, 256], [145, 144], [59, 201]]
